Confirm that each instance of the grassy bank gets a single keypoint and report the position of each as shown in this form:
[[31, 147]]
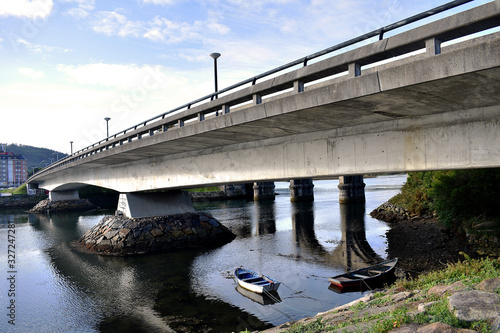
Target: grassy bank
[[399, 305]]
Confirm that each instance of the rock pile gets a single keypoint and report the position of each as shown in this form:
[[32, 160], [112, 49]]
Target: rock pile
[[47, 206], [119, 235]]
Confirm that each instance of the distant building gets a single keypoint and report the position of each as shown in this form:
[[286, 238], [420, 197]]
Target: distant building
[[13, 168]]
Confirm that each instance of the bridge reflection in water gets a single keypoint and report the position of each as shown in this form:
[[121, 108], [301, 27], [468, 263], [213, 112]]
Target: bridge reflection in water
[[353, 250]]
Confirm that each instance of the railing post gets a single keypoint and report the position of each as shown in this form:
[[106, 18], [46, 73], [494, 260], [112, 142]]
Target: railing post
[[433, 46], [257, 99], [354, 69], [298, 86]]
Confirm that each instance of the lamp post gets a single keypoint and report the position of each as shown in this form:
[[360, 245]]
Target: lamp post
[[71, 142], [107, 128], [215, 55]]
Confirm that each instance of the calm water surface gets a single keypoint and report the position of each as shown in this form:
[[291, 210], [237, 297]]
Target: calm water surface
[[59, 288]]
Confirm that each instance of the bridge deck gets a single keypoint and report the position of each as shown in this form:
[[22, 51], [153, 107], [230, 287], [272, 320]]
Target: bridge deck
[[458, 77]]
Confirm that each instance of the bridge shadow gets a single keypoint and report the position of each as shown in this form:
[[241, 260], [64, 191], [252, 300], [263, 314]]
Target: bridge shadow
[[353, 250], [264, 218]]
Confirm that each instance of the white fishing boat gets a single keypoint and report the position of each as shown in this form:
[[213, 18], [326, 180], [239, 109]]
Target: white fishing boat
[[255, 282]]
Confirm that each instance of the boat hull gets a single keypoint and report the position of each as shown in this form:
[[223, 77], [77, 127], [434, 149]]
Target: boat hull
[[255, 282], [368, 277]]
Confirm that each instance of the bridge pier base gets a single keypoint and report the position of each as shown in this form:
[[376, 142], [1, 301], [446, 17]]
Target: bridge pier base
[[63, 195], [263, 191], [136, 205], [351, 189], [301, 190]]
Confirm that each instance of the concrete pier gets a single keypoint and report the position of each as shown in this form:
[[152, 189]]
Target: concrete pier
[[263, 191], [63, 195], [351, 189], [301, 190], [136, 205]]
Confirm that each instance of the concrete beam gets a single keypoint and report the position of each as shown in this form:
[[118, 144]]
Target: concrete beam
[[454, 140]]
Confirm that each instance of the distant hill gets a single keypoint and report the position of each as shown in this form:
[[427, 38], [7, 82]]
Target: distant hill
[[36, 157]]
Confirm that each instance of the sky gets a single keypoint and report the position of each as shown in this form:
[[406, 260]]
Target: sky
[[68, 64]]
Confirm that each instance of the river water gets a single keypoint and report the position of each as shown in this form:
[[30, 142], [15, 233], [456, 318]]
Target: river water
[[53, 286]]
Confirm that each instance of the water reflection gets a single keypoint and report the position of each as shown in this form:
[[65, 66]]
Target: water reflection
[[354, 251], [264, 218], [129, 294], [303, 227], [301, 244]]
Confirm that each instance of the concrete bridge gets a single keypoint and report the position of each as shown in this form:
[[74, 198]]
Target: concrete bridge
[[412, 101]]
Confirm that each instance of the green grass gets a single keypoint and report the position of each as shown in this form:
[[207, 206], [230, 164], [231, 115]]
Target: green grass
[[205, 189], [470, 272], [19, 190]]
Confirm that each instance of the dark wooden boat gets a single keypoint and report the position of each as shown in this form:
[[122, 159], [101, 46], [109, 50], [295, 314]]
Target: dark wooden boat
[[370, 276]]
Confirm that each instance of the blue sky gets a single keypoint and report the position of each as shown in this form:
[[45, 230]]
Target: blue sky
[[67, 64]]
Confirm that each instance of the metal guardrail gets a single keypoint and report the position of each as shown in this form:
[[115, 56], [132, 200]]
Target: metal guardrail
[[137, 131]]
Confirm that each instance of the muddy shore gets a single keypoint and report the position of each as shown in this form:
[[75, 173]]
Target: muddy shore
[[421, 243]]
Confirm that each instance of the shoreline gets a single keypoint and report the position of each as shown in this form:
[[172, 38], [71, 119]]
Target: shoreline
[[422, 246]]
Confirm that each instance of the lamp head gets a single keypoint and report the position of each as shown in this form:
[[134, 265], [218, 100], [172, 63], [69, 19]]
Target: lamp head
[[215, 55]]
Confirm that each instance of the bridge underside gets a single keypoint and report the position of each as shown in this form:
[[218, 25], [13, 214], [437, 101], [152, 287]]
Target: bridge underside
[[419, 113]]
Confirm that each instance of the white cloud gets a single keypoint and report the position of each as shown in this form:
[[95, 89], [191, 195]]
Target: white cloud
[[25, 8], [31, 73], [41, 49], [158, 2], [158, 29], [115, 24], [83, 9]]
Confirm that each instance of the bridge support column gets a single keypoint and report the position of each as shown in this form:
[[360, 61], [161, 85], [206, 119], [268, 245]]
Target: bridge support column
[[351, 189], [63, 195], [263, 191], [234, 190], [301, 190], [135, 205]]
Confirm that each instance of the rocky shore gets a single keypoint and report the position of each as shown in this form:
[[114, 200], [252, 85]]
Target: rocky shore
[[422, 246], [411, 311], [119, 235], [48, 206]]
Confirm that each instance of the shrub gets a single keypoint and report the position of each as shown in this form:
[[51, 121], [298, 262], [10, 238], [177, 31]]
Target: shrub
[[463, 196]]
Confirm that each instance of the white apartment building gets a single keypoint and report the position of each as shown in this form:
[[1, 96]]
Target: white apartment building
[[13, 169]]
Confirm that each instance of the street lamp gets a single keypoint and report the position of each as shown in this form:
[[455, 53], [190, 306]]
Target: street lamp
[[71, 142], [107, 128], [215, 55]]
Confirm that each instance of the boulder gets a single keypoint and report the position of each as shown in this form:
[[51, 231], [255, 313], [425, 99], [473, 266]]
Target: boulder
[[446, 289], [490, 285], [475, 305]]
